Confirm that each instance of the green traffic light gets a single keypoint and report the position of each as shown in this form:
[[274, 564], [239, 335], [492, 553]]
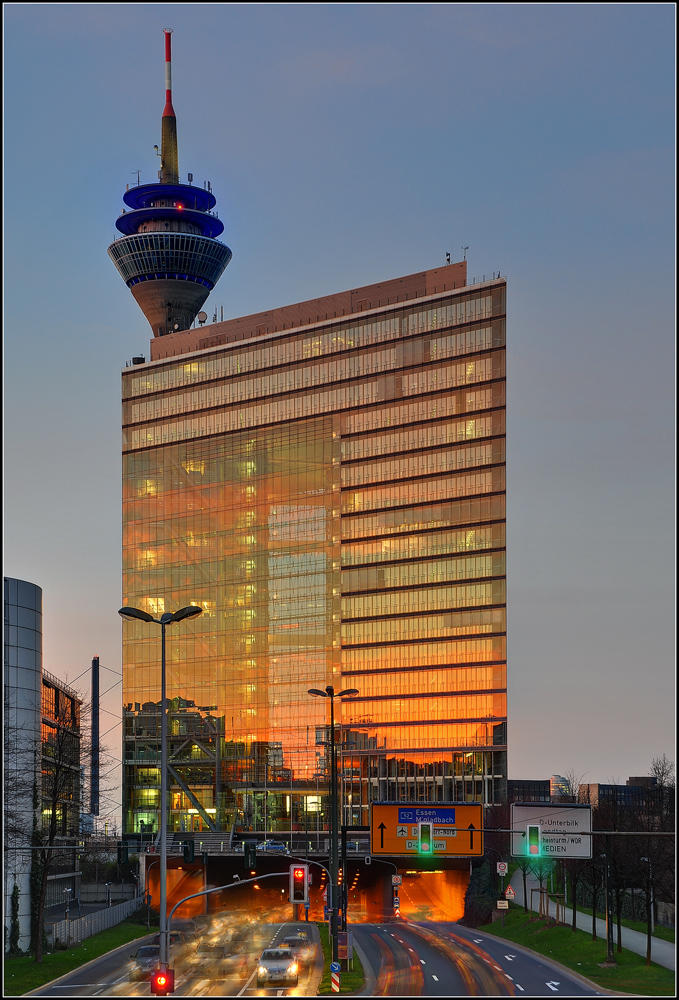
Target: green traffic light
[[425, 844], [533, 841]]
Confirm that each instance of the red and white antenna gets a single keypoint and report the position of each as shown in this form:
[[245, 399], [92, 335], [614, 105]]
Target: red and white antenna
[[169, 161], [169, 110]]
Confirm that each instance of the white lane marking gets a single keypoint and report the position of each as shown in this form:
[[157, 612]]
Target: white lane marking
[[509, 978], [510, 958], [553, 986], [422, 962], [435, 977], [519, 987], [498, 968], [477, 940], [412, 949]]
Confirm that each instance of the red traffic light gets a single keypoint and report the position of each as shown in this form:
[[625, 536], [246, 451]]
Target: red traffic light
[[299, 883], [162, 983]]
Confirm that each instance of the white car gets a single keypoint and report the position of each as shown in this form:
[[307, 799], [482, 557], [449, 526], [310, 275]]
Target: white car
[[277, 965]]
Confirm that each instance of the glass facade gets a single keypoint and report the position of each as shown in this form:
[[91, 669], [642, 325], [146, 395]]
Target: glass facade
[[333, 499]]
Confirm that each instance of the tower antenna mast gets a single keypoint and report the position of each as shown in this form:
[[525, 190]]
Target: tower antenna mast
[[169, 159]]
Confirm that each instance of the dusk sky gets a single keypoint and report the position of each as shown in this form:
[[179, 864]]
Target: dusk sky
[[348, 144]]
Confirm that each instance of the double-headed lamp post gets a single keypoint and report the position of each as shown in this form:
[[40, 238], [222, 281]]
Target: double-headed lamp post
[[334, 820], [132, 614]]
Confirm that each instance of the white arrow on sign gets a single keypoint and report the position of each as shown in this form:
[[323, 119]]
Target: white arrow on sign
[[553, 986]]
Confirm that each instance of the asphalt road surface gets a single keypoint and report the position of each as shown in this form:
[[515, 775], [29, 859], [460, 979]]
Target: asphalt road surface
[[407, 959], [445, 959], [110, 975]]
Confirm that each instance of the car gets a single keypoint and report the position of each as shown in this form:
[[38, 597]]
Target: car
[[272, 845], [145, 961], [301, 948], [181, 945], [176, 939], [277, 965], [237, 961], [208, 955]]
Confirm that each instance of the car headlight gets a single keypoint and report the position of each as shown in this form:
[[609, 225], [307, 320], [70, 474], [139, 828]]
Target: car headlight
[[261, 971], [292, 969]]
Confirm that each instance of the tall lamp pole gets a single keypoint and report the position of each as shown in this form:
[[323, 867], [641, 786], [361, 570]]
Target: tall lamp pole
[[132, 614], [334, 818]]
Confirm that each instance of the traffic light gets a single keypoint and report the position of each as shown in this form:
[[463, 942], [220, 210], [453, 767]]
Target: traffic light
[[162, 983], [299, 883], [533, 845], [123, 853], [250, 851], [189, 850], [425, 844]]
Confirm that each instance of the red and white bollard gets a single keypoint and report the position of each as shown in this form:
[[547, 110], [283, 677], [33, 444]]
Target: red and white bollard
[[335, 976]]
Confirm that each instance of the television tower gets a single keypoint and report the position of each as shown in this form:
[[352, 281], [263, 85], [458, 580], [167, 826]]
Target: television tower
[[168, 255]]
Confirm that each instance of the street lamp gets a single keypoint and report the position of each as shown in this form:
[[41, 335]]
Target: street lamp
[[147, 898], [334, 822], [168, 618]]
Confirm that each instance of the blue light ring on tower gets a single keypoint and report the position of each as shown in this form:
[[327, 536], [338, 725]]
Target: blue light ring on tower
[[129, 223], [191, 197], [169, 276], [149, 254]]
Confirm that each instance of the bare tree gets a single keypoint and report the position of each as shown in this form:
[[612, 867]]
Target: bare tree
[[59, 799], [20, 757], [573, 781]]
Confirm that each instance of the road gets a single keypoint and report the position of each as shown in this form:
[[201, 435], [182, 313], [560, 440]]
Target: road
[[444, 959], [406, 959], [110, 975]]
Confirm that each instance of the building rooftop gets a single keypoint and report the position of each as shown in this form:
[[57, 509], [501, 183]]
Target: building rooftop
[[328, 307]]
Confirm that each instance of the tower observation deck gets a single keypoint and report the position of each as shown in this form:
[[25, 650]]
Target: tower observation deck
[[169, 256]]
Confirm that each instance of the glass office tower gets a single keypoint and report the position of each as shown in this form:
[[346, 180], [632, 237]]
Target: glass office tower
[[330, 490]]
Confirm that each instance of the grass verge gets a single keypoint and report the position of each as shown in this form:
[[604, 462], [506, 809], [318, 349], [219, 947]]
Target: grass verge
[[578, 952], [351, 980], [21, 975], [662, 933]]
